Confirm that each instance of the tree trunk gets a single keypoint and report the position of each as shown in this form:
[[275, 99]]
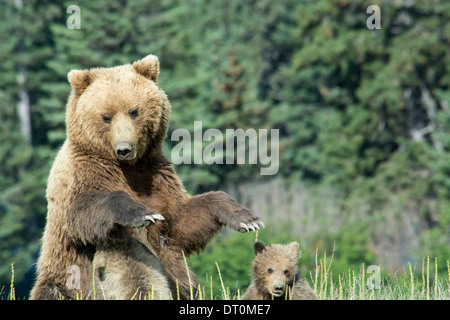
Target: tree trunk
[[23, 105]]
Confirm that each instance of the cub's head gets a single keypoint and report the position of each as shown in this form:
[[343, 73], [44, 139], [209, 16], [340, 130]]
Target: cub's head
[[275, 267], [118, 112]]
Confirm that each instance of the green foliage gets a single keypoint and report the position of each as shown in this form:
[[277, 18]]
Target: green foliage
[[233, 254]]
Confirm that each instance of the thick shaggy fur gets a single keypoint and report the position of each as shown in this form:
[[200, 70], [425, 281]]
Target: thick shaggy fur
[[129, 271], [110, 180], [276, 276]]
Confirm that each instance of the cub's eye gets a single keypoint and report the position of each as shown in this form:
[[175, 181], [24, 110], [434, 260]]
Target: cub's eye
[[286, 272], [270, 270], [133, 113], [106, 118]]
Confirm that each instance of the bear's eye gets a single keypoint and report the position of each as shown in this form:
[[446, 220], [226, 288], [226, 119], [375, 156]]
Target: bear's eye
[[106, 118], [286, 272], [270, 270], [133, 113]]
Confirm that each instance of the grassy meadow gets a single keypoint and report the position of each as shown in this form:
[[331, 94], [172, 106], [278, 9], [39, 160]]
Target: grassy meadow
[[412, 283]]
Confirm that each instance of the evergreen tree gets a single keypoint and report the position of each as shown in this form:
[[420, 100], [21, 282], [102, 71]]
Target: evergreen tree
[[25, 156]]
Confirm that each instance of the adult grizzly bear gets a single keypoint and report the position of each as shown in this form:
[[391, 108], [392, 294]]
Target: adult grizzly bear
[[110, 180], [275, 274]]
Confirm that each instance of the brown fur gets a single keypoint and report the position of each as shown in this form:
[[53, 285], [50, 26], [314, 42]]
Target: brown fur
[[276, 275], [129, 271], [98, 200]]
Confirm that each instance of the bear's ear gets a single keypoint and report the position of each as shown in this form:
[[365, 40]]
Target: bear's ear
[[79, 80], [259, 247], [148, 67], [294, 247]]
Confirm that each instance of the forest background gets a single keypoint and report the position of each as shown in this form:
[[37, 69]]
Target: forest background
[[363, 118]]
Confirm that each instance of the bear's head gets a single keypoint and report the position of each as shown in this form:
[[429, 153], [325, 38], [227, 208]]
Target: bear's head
[[275, 267], [118, 112]]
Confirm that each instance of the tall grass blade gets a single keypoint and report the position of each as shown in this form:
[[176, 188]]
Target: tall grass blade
[[411, 282], [12, 292], [435, 278], [428, 278], [226, 297]]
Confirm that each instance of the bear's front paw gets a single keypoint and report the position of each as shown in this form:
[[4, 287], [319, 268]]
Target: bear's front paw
[[147, 219], [246, 227], [235, 216], [139, 217], [129, 213], [246, 222], [144, 220]]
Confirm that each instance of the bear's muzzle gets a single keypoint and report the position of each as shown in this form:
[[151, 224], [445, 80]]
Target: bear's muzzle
[[124, 151]]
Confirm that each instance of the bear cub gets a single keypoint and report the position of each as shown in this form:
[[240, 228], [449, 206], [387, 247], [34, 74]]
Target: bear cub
[[276, 275]]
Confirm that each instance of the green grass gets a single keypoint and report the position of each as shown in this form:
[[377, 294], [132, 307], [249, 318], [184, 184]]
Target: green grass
[[412, 283], [408, 284]]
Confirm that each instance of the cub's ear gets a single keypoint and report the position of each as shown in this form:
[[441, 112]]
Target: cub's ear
[[259, 247], [294, 247], [148, 67], [79, 80]]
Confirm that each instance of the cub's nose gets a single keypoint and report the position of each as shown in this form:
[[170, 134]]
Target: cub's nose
[[279, 287], [123, 149]]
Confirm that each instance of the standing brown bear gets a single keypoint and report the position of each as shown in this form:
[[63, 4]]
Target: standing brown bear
[[276, 275], [112, 193]]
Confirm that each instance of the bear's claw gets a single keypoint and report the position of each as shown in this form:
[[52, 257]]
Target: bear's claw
[[245, 227], [152, 216], [242, 227]]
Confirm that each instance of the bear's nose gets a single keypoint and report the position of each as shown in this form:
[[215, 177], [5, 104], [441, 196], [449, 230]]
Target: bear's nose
[[123, 149], [123, 152], [279, 287]]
